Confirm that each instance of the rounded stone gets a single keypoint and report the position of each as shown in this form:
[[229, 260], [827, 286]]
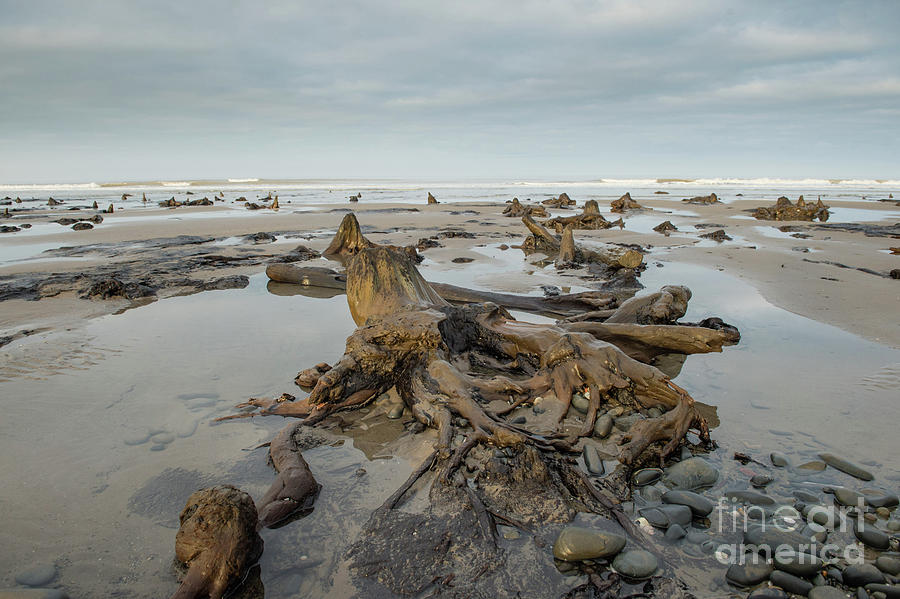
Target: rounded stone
[[798, 564], [845, 466], [760, 480], [675, 533], [698, 504], [395, 412], [748, 574], [859, 575], [872, 537], [576, 543], [790, 583], [779, 460], [883, 513], [691, 474], [603, 426], [646, 476], [888, 564], [826, 593], [637, 564], [768, 593], [592, 460], [848, 497], [580, 403], [813, 466], [37, 576]]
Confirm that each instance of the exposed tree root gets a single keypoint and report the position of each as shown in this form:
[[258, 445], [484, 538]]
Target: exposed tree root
[[517, 209], [590, 218]]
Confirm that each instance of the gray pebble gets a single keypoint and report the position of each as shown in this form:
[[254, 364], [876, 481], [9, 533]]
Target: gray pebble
[[37, 576]]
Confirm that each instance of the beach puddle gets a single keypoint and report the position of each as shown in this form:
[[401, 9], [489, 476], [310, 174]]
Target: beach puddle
[[100, 459]]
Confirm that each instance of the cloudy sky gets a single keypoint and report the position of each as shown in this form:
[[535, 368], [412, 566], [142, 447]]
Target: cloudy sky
[[124, 90]]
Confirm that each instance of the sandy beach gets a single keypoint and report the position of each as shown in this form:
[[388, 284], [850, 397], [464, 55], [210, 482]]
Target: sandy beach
[[109, 403]]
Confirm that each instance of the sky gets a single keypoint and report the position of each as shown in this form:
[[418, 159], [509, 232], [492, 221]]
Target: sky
[[486, 89]]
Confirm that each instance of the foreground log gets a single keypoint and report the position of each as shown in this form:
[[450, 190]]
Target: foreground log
[[589, 219], [217, 542], [518, 209], [785, 210], [556, 306], [544, 241]]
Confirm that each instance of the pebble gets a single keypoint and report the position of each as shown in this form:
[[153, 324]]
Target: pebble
[[760, 480], [872, 537], [883, 513], [603, 426], [888, 564], [646, 476], [691, 474], [699, 505], [769, 538], [885, 501], [519, 420], [768, 593], [37, 576], [580, 403], [826, 593], [859, 575], [798, 564], [592, 460], [395, 413], [790, 583], [636, 564], [575, 543], [675, 532], [749, 573], [779, 460], [813, 466], [893, 525], [625, 423], [805, 496], [848, 497], [162, 438], [825, 516], [651, 494], [845, 466], [885, 590], [749, 497]]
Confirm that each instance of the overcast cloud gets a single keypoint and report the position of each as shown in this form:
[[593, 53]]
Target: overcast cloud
[[98, 91]]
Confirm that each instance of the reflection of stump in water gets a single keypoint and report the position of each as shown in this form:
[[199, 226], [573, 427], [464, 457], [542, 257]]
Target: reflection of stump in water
[[448, 363]]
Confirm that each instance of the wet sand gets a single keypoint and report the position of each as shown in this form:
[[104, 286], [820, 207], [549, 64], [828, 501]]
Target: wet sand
[[817, 370]]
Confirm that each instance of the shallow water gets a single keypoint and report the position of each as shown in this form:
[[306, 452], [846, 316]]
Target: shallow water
[[83, 490]]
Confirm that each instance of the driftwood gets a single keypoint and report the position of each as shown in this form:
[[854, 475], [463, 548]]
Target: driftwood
[[544, 241], [557, 306], [785, 210], [589, 219], [517, 209], [624, 203], [294, 489], [563, 201]]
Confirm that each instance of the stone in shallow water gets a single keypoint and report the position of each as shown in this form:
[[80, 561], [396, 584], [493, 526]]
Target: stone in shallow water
[[846, 467], [805, 496], [37, 576], [859, 575], [884, 501], [636, 563], [770, 537], [890, 591], [813, 466], [872, 537], [753, 497], [790, 583], [603, 426], [761, 480], [748, 574], [592, 460], [576, 543], [848, 497], [698, 504], [827, 593], [779, 460], [691, 474]]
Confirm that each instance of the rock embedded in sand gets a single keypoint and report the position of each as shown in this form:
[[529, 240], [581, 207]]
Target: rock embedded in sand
[[845, 466], [37, 576], [691, 474], [576, 543], [637, 564]]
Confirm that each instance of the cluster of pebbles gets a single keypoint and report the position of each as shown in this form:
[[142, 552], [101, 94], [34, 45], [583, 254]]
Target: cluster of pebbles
[[777, 530]]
